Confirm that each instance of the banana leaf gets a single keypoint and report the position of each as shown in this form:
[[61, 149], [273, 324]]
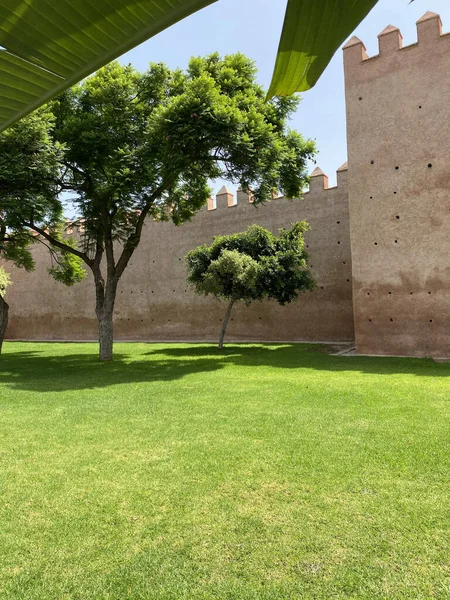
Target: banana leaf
[[312, 32], [48, 45]]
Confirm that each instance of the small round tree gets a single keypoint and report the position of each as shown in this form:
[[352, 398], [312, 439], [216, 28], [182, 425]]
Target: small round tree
[[253, 265]]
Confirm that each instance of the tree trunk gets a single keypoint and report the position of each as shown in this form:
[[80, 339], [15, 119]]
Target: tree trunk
[[4, 311], [106, 297], [105, 335], [225, 323]]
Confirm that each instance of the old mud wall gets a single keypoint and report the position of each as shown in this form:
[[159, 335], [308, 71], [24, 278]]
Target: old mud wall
[[155, 303]]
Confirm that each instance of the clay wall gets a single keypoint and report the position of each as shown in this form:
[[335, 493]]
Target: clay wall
[[155, 303], [398, 127]]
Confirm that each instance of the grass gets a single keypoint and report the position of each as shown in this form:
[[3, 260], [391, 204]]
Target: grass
[[270, 472]]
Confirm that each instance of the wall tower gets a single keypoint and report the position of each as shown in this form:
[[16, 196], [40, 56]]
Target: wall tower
[[398, 128]]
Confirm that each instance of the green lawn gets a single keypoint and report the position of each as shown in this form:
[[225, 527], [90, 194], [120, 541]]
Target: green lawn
[[270, 472]]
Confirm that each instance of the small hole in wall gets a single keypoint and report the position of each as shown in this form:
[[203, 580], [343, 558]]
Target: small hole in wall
[[370, 320], [431, 320], [348, 280], [397, 168], [339, 242], [397, 217], [375, 243], [395, 241], [344, 263], [368, 293], [411, 293], [430, 166], [372, 162], [338, 222], [395, 192], [392, 320], [420, 106], [429, 293], [321, 287], [360, 98], [371, 198]]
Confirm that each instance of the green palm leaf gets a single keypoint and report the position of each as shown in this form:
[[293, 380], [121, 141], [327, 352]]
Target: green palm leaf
[[49, 45], [313, 30]]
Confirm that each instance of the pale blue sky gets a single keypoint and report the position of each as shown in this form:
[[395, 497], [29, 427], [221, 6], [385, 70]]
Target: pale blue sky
[[253, 27]]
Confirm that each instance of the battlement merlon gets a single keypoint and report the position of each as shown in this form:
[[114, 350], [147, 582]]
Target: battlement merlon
[[224, 198], [342, 175], [318, 181], [391, 50], [390, 40], [429, 28]]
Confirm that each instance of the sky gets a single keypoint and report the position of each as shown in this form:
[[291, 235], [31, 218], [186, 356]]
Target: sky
[[253, 27]]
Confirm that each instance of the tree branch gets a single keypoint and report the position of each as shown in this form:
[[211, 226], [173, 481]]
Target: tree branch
[[134, 239], [58, 244]]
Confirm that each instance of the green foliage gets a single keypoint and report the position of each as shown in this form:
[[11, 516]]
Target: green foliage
[[231, 275], [68, 268], [30, 162], [5, 281], [252, 265], [152, 141], [30, 169]]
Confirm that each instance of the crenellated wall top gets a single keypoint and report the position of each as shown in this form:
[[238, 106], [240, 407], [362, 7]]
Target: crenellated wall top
[[391, 51]]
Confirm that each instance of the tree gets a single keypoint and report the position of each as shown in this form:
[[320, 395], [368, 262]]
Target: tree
[[29, 169], [253, 265], [145, 145]]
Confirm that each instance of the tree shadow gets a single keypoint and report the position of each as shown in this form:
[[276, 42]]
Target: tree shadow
[[311, 356], [41, 372]]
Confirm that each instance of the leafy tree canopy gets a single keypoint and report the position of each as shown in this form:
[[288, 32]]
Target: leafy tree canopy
[[30, 167]]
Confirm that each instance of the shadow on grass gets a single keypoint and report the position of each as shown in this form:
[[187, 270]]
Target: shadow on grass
[[42, 372]]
